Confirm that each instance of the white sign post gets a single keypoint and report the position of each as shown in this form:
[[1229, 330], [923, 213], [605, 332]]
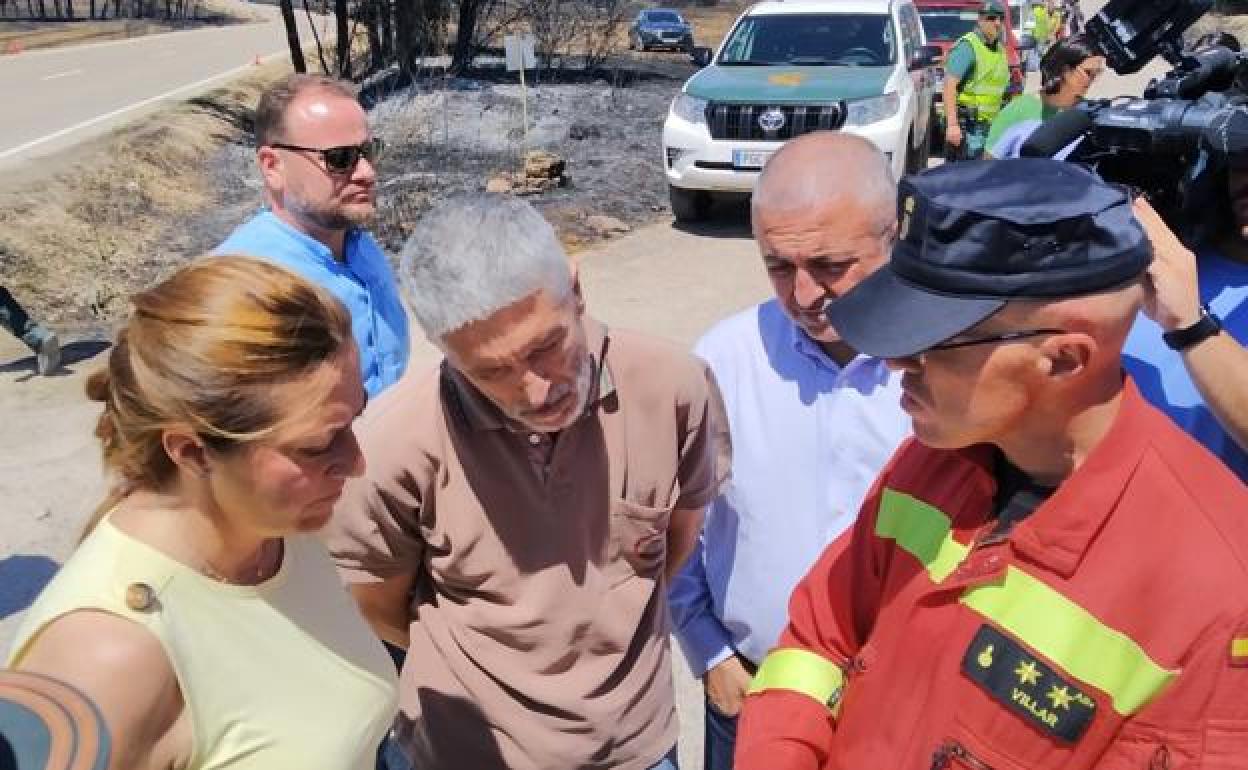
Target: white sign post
[[521, 54]]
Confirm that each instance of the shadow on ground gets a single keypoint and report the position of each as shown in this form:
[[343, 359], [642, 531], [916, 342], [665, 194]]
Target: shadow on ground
[[22, 577], [72, 353], [727, 218]]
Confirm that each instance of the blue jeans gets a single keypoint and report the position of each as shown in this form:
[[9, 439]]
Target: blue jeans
[[670, 762], [20, 325], [720, 741]]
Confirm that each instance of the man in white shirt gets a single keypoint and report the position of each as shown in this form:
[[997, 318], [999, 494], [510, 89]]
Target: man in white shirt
[[811, 421]]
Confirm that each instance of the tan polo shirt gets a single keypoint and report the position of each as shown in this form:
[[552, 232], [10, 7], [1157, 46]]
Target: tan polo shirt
[[539, 634]]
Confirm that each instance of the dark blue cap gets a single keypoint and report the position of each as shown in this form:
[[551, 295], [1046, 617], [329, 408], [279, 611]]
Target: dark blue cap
[[973, 235]]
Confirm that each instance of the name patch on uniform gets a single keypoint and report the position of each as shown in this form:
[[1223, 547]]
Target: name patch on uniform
[[1030, 688]]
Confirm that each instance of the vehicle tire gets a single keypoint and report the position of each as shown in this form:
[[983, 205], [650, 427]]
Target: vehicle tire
[[689, 205]]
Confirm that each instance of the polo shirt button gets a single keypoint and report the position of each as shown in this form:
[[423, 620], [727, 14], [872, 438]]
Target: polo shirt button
[[535, 439], [993, 561]]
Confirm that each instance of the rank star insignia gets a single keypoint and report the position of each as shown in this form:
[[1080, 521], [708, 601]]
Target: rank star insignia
[[1027, 672], [1060, 697], [1019, 680]]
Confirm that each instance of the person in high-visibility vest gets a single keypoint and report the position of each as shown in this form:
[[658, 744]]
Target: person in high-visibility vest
[[1042, 32], [977, 75]]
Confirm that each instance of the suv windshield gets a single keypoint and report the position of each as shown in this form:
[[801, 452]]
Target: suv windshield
[[661, 17], [945, 24], [845, 39]]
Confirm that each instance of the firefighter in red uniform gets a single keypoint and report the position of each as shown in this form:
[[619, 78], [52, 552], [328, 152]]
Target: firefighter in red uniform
[[1052, 575]]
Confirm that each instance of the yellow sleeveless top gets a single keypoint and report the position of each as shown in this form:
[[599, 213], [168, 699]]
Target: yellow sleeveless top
[[280, 675]]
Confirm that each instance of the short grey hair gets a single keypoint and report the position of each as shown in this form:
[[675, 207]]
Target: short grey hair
[[471, 256]]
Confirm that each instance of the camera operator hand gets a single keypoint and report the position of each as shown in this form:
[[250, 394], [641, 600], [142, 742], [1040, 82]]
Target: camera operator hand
[[1218, 366], [1173, 293]]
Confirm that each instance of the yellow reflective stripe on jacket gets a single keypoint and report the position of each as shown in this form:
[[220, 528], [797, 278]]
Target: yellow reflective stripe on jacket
[[984, 90], [803, 672], [1030, 609]]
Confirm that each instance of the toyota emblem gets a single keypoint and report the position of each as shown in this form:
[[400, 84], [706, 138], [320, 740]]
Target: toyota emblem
[[771, 120]]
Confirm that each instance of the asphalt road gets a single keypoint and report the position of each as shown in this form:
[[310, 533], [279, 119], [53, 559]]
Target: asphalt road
[[58, 97]]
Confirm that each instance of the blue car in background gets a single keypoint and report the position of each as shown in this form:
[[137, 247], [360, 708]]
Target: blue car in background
[[660, 28]]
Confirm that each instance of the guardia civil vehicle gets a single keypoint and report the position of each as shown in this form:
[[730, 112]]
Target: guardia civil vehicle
[[789, 67]]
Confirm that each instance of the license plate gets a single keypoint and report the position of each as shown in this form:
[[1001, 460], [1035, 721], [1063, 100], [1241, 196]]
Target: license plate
[[750, 158]]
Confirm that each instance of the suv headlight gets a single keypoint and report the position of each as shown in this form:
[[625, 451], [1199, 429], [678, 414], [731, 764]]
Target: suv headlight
[[689, 108], [864, 112]]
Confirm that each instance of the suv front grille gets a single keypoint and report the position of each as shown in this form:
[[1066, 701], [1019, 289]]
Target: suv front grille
[[741, 121]]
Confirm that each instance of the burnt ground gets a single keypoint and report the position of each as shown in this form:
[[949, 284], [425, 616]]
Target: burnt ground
[[449, 136]]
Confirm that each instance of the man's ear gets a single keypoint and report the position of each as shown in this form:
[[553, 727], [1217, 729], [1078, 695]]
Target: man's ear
[[269, 161], [1068, 354], [186, 450]]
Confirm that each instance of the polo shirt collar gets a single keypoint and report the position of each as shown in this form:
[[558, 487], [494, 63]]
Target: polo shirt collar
[[480, 414], [1058, 533], [808, 348], [312, 245]]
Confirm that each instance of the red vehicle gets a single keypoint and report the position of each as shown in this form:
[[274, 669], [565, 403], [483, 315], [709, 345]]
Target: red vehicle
[[944, 21]]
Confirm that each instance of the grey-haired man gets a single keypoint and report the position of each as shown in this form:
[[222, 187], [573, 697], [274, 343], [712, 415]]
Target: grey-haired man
[[524, 507]]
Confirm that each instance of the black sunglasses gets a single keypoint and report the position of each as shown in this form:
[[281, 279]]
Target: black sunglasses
[[341, 160], [1007, 337], [990, 16]]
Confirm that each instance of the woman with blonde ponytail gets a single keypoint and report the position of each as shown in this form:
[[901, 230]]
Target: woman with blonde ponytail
[[200, 612]]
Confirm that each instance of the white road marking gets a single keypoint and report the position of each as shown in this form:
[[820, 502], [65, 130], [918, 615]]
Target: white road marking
[[65, 74], [101, 118]]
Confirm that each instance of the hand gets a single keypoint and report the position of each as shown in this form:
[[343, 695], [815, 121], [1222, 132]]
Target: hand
[[1172, 297], [726, 684], [953, 135]]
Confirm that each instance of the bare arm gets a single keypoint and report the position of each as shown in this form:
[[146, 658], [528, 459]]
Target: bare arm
[[682, 535], [385, 606], [123, 669], [1218, 365], [953, 131]]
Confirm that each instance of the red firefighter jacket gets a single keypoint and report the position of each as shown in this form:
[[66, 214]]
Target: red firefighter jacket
[[1108, 630]]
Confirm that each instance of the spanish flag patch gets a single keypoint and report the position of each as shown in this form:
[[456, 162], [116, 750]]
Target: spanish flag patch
[[1239, 650]]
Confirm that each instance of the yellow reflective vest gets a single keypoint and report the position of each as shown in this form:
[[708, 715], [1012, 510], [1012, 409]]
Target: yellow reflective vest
[[1044, 25], [984, 90]]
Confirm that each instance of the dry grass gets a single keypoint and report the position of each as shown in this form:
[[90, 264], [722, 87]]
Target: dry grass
[[53, 35], [74, 246], [711, 24], [30, 35], [1236, 24]]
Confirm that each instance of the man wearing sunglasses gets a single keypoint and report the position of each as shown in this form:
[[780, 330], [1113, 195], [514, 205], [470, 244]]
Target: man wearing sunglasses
[[317, 159], [1047, 576], [977, 75]]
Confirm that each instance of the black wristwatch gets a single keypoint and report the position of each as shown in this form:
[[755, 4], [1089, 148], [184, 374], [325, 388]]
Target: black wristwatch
[[1182, 339]]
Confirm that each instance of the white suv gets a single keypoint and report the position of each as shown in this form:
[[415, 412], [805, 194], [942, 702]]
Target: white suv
[[789, 67]]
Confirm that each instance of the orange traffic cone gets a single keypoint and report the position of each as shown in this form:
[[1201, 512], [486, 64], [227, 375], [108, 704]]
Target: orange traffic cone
[[255, 62]]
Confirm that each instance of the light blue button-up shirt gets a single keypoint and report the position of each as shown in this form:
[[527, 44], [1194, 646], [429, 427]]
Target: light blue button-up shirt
[[1159, 372], [363, 282], [808, 439]]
